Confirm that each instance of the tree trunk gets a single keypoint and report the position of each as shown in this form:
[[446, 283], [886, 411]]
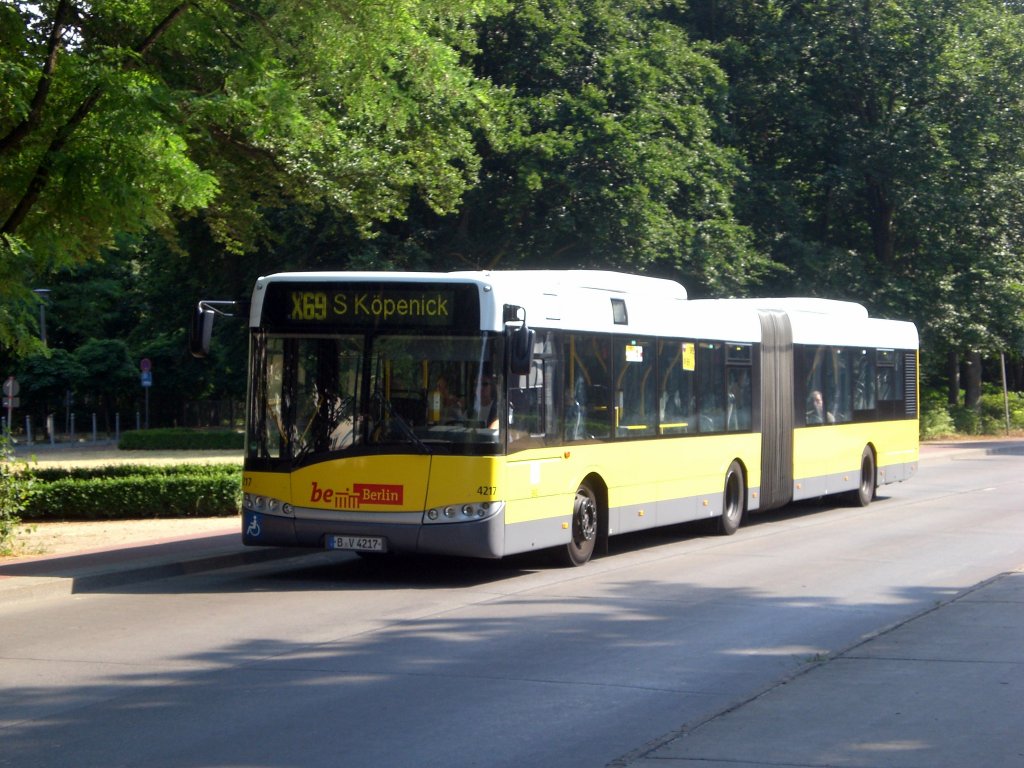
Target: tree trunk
[[881, 218], [972, 384], [34, 117], [953, 377]]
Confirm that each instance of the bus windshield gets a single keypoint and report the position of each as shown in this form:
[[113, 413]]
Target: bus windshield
[[319, 396]]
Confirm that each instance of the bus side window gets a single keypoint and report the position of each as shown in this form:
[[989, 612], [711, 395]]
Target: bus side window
[[864, 380], [738, 409], [711, 393], [832, 380], [677, 402], [588, 395], [840, 385], [888, 375], [890, 383], [635, 398], [812, 387], [532, 419], [739, 400]]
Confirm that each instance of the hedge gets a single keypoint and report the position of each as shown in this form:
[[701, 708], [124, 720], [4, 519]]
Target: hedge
[[181, 440], [52, 474], [134, 491]]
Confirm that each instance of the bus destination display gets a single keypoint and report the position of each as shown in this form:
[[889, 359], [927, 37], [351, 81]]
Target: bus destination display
[[370, 305]]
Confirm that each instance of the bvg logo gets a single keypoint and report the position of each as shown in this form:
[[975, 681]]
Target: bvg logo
[[359, 495]]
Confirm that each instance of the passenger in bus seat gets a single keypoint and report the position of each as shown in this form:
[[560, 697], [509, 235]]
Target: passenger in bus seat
[[738, 408], [452, 409], [485, 404], [816, 413]]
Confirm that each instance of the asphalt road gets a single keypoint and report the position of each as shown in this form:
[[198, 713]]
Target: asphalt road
[[329, 660]]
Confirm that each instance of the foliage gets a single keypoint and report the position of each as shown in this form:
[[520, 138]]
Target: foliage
[[940, 419], [122, 117], [609, 156], [886, 148], [51, 474], [181, 440], [17, 490], [46, 378], [185, 491], [936, 420], [107, 364], [994, 411]]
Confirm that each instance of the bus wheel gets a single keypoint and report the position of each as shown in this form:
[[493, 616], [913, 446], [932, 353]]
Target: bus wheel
[[584, 527], [733, 501], [865, 492]]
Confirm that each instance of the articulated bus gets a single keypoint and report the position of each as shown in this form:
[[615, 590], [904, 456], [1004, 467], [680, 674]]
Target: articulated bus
[[489, 413]]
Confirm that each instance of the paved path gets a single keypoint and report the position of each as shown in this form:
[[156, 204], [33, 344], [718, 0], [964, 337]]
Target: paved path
[[944, 689]]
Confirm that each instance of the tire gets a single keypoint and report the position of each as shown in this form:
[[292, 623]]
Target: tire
[[865, 492], [584, 528], [734, 497]]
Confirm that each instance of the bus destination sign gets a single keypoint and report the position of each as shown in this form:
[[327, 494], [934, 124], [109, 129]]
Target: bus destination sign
[[376, 305], [434, 307]]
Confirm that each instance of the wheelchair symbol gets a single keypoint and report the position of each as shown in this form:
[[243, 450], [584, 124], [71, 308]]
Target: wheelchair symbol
[[253, 530]]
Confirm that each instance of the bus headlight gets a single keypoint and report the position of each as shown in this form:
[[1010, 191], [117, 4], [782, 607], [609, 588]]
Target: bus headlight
[[266, 504], [462, 513]]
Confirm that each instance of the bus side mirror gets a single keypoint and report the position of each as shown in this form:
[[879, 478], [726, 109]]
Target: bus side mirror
[[200, 331], [521, 350]]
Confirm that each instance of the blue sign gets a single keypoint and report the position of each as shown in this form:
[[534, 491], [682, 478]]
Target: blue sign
[[147, 378]]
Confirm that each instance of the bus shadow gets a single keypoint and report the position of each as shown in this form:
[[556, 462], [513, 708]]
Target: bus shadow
[[699, 529], [291, 570], [407, 571]]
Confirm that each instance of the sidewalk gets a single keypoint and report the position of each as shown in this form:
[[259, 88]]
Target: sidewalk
[[33, 578], [944, 689]]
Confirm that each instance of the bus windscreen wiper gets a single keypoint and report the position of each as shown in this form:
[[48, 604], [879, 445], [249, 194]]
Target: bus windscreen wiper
[[383, 411]]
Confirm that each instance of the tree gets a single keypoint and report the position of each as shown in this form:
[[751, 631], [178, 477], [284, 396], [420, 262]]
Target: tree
[[609, 155], [109, 374], [121, 117], [886, 147], [47, 380]]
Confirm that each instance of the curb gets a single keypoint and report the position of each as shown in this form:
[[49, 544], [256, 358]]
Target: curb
[[99, 571]]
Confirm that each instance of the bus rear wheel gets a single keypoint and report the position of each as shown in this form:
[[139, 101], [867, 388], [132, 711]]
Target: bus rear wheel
[[865, 492], [733, 501], [584, 527]]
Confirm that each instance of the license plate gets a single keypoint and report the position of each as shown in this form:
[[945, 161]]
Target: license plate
[[358, 543]]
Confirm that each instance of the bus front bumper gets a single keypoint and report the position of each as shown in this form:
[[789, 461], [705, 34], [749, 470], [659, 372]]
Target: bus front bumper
[[402, 532]]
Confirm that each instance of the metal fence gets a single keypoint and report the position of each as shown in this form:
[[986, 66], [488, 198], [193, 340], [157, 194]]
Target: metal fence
[[82, 426]]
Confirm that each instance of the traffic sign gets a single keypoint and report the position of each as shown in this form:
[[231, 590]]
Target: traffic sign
[[147, 378], [145, 365], [11, 387]]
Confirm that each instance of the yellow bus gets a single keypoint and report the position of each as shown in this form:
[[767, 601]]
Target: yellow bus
[[489, 413]]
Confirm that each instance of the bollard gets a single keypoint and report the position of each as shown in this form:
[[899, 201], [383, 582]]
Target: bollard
[[49, 428], [94, 427], [28, 429]]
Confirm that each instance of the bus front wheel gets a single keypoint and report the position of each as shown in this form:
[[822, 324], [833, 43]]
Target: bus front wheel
[[584, 527], [733, 501]]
